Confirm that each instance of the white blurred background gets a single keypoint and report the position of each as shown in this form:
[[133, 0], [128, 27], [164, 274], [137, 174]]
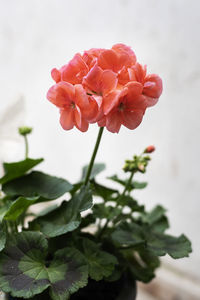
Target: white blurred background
[[36, 36]]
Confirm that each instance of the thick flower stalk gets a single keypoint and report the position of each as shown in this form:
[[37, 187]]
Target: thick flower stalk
[[104, 86]]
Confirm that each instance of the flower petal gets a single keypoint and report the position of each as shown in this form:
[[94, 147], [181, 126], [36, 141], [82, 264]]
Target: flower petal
[[110, 101], [108, 81], [88, 105], [67, 119], [93, 78], [56, 75], [126, 55], [77, 117], [75, 70], [108, 60], [61, 94], [81, 98], [153, 86], [84, 125], [132, 119], [114, 121]]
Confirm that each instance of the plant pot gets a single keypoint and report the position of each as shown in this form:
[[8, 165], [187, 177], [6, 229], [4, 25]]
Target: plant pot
[[123, 289]]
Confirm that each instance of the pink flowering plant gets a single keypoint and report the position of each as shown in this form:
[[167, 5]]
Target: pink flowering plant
[[55, 254]]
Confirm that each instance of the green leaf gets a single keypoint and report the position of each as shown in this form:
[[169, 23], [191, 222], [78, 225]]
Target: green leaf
[[4, 209], [155, 214], [101, 264], [133, 185], [97, 168], [2, 237], [105, 212], [18, 169], [25, 270], [59, 221], [130, 202], [138, 269], [160, 244], [83, 199], [18, 207], [139, 185], [68, 272], [37, 184], [156, 218], [102, 191], [87, 220], [66, 217], [128, 234]]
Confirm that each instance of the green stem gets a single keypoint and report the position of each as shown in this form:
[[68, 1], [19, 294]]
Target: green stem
[[26, 146], [15, 226], [127, 184], [101, 232], [89, 170]]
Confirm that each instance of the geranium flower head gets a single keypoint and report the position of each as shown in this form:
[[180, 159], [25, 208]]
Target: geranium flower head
[[104, 86]]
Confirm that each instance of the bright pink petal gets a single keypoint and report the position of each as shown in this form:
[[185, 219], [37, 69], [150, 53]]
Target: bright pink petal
[[75, 70], [81, 98], [92, 111], [56, 75], [108, 81], [153, 86], [84, 125], [114, 121], [134, 88], [110, 101], [134, 98], [126, 55], [88, 105], [77, 117], [93, 79], [61, 94], [67, 119], [108, 60], [90, 56], [138, 73], [123, 76], [102, 121], [150, 101], [132, 119]]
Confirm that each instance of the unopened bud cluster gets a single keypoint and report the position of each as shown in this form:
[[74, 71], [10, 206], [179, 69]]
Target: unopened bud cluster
[[139, 163], [25, 130]]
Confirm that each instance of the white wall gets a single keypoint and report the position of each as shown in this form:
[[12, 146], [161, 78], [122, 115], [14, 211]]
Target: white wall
[[36, 36]]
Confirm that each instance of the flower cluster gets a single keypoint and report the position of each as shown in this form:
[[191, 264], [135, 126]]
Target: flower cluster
[[104, 86]]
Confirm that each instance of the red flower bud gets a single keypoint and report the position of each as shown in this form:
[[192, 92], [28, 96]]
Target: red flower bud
[[150, 149]]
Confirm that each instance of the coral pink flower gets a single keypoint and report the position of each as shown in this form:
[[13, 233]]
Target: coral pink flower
[[73, 72], [100, 81], [118, 57], [76, 109], [124, 107], [152, 84], [107, 86], [90, 57]]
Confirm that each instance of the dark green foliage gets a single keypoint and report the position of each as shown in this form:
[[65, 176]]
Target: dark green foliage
[[58, 250], [17, 169], [101, 264], [26, 271], [66, 217], [37, 184], [2, 236], [97, 168]]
